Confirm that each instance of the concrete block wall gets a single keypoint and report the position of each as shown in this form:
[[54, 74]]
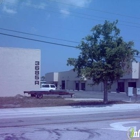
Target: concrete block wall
[[70, 78], [19, 69], [51, 77]]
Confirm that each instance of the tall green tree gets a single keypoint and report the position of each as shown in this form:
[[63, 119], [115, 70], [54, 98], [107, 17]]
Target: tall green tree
[[104, 56]]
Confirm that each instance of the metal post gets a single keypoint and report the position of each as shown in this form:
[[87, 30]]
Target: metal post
[[136, 98], [130, 98]]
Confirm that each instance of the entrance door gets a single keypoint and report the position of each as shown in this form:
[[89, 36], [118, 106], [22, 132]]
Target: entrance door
[[82, 86], [121, 86], [77, 86], [132, 84], [63, 84]]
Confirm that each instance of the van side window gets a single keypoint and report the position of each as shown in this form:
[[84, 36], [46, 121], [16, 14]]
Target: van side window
[[52, 86], [45, 86]]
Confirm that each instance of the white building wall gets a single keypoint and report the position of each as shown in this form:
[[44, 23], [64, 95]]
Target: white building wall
[[70, 78], [131, 77], [71, 85], [91, 87], [138, 81], [135, 70], [49, 77], [68, 75], [133, 73], [18, 70], [55, 76], [114, 86]]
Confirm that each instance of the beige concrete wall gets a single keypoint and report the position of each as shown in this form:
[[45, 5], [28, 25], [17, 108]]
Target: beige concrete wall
[[17, 70], [114, 86], [51, 77], [70, 78], [133, 72], [68, 75], [56, 77], [138, 81]]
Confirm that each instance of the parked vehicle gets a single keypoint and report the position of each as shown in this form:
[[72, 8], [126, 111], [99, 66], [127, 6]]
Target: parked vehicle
[[42, 82], [47, 89]]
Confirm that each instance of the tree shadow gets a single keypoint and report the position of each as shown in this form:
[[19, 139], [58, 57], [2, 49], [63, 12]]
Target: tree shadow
[[79, 104]]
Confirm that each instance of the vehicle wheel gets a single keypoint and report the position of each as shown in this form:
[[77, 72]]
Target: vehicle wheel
[[39, 96], [32, 95]]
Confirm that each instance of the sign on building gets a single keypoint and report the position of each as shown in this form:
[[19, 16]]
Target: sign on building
[[37, 72]]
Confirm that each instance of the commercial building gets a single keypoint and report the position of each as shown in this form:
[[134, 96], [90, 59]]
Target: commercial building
[[130, 79], [69, 80], [19, 70]]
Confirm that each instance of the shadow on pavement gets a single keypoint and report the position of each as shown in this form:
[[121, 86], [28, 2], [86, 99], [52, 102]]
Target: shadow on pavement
[[95, 103]]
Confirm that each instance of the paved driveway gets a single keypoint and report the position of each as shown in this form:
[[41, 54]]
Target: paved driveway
[[99, 95]]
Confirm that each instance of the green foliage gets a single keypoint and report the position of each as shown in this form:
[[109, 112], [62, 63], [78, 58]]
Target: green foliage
[[104, 55]]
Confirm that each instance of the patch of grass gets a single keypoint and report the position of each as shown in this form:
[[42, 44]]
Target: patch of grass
[[47, 101]]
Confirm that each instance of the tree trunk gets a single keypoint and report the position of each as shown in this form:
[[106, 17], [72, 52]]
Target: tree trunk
[[105, 93]]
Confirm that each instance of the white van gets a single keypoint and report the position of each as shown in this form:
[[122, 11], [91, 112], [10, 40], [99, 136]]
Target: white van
[[48, 87]]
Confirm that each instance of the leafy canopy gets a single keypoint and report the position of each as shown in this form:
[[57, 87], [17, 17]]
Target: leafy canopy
[[104, 55]]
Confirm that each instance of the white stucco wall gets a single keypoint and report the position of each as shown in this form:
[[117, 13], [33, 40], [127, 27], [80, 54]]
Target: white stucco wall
[[134, 71], [55, 77], [17, 70], [51, 77], [70, 78], [68, 75]]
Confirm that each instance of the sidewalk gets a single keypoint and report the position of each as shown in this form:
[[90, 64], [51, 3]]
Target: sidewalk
[[66, 110]]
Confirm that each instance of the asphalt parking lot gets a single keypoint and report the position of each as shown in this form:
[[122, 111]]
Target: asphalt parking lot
[[96, 95]]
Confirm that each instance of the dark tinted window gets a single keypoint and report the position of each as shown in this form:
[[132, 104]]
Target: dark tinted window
[[53, 86], [45, 86]]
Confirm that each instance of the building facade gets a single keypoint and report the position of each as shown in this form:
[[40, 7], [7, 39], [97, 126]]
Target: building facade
[[68, 80], [130, 79], [19, 70]]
